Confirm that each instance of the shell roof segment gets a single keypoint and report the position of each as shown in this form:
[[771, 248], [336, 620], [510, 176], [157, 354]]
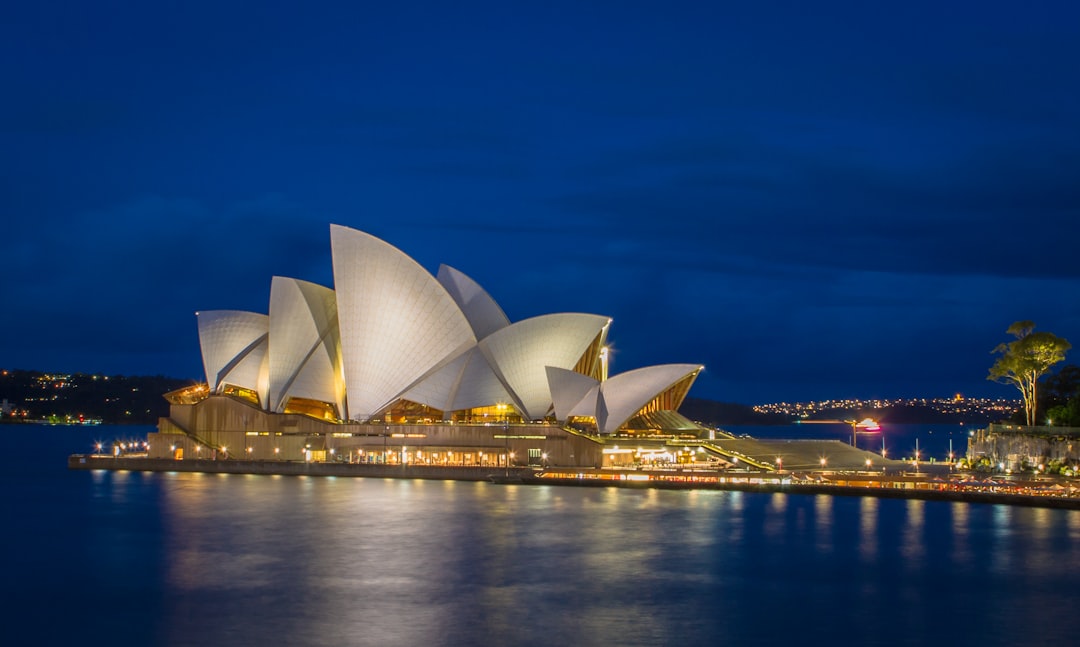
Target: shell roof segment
[[625, 394], [397, 321], [614, 401], [521, 353], [305, 353], [390, 330], [234, 349], [484, 314], [569, 389], [466, 382]]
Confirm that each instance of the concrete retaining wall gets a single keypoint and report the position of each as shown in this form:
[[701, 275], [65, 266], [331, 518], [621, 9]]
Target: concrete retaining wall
[[295, 468]]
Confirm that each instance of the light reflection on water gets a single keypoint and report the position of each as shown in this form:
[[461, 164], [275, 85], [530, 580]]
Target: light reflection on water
[[188, 559], [423, 562], [868, 511]]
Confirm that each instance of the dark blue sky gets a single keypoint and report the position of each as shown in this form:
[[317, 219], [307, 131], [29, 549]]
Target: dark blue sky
[[812, 199]]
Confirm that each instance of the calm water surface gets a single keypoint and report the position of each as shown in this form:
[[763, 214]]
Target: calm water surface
[[184, 559]]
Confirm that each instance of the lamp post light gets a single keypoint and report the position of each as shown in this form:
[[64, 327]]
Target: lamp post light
[[506, 435]]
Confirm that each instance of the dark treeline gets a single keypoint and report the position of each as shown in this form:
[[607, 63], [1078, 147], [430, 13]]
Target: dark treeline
[[115, 399], [728, 413]]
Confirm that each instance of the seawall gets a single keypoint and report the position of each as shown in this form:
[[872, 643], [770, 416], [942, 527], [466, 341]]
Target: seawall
[[296, 468], [531, 476]]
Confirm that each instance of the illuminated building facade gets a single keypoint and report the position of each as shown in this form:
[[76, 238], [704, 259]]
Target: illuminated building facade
[[393, 351]]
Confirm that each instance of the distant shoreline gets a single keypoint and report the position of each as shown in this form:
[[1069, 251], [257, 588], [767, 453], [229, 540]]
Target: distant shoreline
[[925, 487]]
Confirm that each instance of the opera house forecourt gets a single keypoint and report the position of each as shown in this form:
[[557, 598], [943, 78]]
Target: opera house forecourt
[[396, 366]]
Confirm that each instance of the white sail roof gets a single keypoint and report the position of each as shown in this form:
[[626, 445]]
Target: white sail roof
[[569, 390], [466, 382], [625, 394], [305, 351], [397, 322], [484, 315], [521, 353], [234, 349], [390, 330]]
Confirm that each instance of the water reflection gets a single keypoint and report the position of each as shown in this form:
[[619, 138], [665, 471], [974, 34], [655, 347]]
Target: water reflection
[[913, 548], [961, 536], [868, 527], [394, 562], [186, 559], [823, 522]]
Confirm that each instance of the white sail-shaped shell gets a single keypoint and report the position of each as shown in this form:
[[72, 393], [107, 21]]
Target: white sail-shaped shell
[[305, 349], [521, 353], [398, 323], [484, 315], [234, 349], [625, 394], [568, 391]]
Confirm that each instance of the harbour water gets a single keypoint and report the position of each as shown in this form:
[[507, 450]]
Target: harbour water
[[188, 559]]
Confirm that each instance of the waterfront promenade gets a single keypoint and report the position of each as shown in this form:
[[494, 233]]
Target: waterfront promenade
[[936, 483]]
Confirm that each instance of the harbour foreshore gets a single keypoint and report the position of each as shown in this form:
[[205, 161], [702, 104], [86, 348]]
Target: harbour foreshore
[[939, 486]]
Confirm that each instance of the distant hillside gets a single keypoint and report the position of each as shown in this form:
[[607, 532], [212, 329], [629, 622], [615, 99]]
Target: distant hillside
[[114, 399], [718, 414]]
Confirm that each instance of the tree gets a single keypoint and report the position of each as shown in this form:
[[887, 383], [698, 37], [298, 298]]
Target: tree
[[1065, 415], [1022, 362], [1059, 388]]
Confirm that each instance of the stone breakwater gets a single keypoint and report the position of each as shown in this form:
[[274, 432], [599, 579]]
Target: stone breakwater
[[1017, 447], [939, 486]]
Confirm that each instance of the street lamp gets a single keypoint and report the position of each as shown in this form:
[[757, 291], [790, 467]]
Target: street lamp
[[506, 435]]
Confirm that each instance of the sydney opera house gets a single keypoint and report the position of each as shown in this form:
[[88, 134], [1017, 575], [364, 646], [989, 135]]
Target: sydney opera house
[[397, 365]]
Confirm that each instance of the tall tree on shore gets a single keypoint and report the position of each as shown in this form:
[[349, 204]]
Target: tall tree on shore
[[1022, 362]]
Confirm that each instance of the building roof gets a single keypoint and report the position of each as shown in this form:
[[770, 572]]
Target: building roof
[[234, 349], [305, 348], [390, 331], [397, 322]]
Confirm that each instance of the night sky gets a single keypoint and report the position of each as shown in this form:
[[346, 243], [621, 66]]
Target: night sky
[[813, 200]]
